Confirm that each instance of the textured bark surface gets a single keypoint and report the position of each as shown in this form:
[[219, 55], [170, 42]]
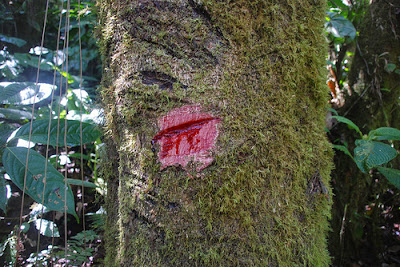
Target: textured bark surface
[[360, 199], [257, 67]]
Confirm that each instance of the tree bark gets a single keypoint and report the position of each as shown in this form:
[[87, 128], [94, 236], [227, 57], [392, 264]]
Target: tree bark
[[243, 178]]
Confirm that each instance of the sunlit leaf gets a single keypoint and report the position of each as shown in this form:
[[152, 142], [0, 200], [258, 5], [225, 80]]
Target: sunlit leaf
[[26, 59], [3, 246], [40, 129], [59, 57], [9, 67], [47, 228], [65, 74], [24, 93], [14, 161], [38, 50], [337, 3], [392, 175], [370, 154], [25, 227]]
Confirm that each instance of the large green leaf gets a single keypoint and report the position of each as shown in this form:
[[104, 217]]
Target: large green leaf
[[80, 183], [40, 129], [385, 133], [3, 193], [32, 61], [5, 132], [12, 40], [339, 26], [24, 93], [392, 175], [349, 123], [14, 114], [370, 154], [14, 161]]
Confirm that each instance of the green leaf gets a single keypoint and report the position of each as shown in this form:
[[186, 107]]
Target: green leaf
[[9, 67], [24, 93], [79, 156], [14, 114], [3, 246], [339, 26], [37, 50], [370, 154], [32, 61], [14, 161], [79, 182], [12, 40], [337, 3], [5, 132], [348, 122], [343, 149], [392, 175], [25, 227], [390, 67], [384, 133], [333, 111], [47, 228], [40, 129], [3, 193]]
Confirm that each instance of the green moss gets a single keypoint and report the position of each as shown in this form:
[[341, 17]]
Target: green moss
[[265, 81]]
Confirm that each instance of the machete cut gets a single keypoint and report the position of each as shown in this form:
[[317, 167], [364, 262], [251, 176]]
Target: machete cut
[[186, 134]]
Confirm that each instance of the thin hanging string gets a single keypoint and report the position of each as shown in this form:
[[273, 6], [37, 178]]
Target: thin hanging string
[[48, 136], [61, 86], [30, 133], [65, 55], [55, 71], [80, 125], [65, 140]]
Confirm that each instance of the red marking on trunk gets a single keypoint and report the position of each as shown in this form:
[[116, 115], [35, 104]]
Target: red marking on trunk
[[186, 134]]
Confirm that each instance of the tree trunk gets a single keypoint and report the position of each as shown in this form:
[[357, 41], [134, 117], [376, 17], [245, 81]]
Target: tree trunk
[[362, 200], [215, 114]]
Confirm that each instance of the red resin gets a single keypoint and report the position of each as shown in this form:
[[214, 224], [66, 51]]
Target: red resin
[[186, 134]]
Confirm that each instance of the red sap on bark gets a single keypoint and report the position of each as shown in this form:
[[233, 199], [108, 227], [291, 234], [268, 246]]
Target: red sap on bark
[[186, 134]]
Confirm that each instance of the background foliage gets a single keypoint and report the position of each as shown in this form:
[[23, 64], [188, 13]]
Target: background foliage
[[57, 104], [365, 218], [362, 123]]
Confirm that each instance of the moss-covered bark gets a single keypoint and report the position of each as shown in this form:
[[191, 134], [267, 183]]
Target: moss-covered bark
[[374, 102], [256, 65]]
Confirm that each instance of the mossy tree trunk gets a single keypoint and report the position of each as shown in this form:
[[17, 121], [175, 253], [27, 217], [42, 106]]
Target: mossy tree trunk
[[362, 200], [256, 69]]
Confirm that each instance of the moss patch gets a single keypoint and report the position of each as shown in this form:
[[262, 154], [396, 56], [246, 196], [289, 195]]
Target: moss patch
[[257, 65]]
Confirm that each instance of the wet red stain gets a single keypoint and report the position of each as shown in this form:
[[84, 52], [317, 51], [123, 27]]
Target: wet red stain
[[186, 134]]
